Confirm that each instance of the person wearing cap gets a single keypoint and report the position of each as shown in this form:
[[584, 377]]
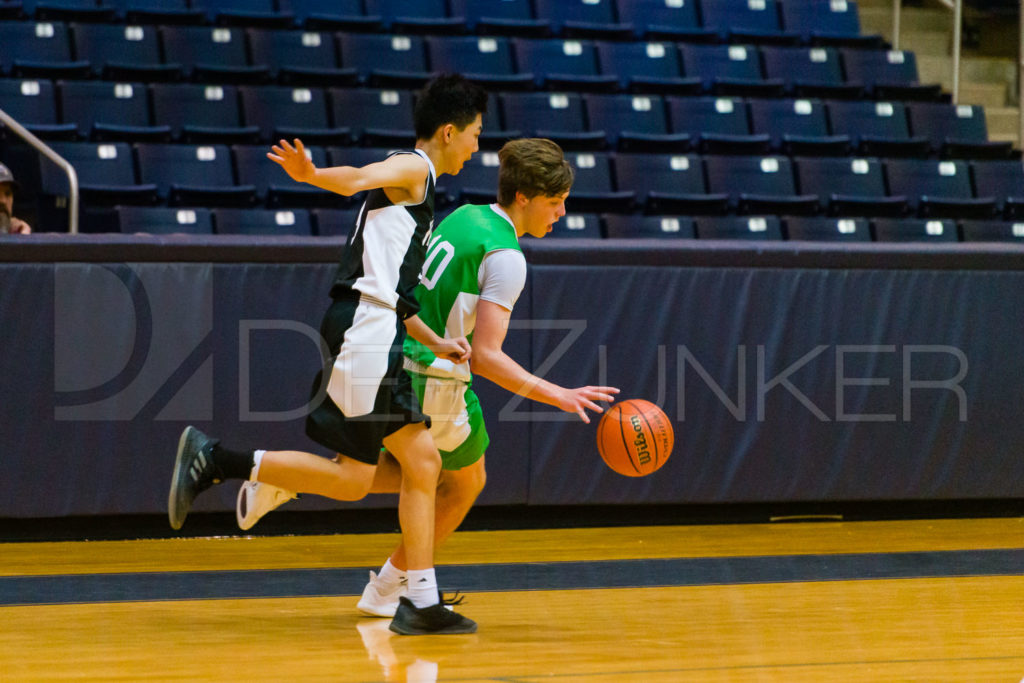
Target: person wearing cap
[[8, 223]]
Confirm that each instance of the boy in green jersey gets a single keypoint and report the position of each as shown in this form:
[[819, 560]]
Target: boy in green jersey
[[473, 275]]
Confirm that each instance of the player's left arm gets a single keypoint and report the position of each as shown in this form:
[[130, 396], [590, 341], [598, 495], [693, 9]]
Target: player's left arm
[[456, 350], [490, 361]]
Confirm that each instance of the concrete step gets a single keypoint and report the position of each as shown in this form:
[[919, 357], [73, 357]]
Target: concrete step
[[1003, 124], [988, 95], [935, 68], [879, 20], [925, 42]]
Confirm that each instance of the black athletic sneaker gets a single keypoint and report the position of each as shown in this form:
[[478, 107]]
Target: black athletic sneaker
[[194, 472], [411, 620]]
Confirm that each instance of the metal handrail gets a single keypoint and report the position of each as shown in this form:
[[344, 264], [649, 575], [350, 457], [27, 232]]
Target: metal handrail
[[47, 152]]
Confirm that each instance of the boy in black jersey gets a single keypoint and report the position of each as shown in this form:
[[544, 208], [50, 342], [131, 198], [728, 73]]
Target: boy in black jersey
[[369, 400]]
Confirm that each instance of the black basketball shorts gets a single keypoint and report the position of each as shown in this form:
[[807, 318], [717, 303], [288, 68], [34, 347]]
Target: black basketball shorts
[[362, 395]]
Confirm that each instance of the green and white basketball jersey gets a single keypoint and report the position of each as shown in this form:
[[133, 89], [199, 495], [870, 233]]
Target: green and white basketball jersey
[[449, 286]]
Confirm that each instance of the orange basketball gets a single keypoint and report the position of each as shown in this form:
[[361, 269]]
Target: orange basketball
[[635, 437]]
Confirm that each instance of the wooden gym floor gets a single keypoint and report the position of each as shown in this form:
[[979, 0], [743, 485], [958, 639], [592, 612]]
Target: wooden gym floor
[[935, 600]]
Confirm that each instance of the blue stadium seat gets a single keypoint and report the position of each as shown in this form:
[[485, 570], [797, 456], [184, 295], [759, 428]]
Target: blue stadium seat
[[956, 131], [43, 50], [123, 52], [500, 17], [752, 228], [821, 18], [33, 102], [201, 113], [273, 186], [797, 127], [158, 12], [888, 74], [485, 59], [809, 72], [717, 125], [253, 13], [563, 64], [333, 222], [69, 10], [646, 67], [729, 70], [877, 128], [668, 184], [747, 21], [662, 20], [422, 16], [1003, 180], [262, 222], [300, 57], [849, 187], [193, 175], [822, 229], [212, 54], [338, 15], [634, 123], [633, 227], [759, 185], [386, 60], [109, 111], [296, 112], [937, 188], [476, 183], [915, 230], [161, 220], [375, 117], [992, 231], [559, 116], [593, 189], [106, 174], [578, 225], [583, 18]]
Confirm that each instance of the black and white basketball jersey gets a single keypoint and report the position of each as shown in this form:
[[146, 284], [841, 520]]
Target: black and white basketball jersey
[[386, 250]]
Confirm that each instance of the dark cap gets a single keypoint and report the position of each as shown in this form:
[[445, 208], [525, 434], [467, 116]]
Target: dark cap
[[7, 177]]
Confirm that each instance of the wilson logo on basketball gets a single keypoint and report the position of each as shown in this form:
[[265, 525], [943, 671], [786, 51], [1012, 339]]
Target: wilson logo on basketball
[[634, 437], [643, 453]]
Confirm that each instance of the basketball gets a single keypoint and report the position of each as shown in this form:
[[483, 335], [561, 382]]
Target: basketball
[[635, 437]]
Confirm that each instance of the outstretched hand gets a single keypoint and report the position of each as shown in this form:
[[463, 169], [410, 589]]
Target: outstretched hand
[[581, 399], [293, 160]]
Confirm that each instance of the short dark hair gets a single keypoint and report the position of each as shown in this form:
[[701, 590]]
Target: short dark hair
[[449, 98], [533, 166]]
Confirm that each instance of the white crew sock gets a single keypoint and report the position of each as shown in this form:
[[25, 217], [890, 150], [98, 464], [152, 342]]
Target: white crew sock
[[422, 587], [390, 577]]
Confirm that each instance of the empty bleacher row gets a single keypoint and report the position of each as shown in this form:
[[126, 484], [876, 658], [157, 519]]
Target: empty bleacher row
[[217, 54], [147, 174], [186, 112], [337, 222], [789, 21]]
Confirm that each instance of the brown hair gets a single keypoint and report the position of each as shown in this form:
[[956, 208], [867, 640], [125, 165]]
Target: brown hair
[[533, 166]]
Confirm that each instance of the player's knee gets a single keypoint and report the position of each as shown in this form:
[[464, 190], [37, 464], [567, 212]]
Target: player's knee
[[423, 466]]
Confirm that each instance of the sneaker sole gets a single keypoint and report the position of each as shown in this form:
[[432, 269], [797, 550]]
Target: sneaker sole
[[370, 612], [242, 524], [177, 507], [451, 630]]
